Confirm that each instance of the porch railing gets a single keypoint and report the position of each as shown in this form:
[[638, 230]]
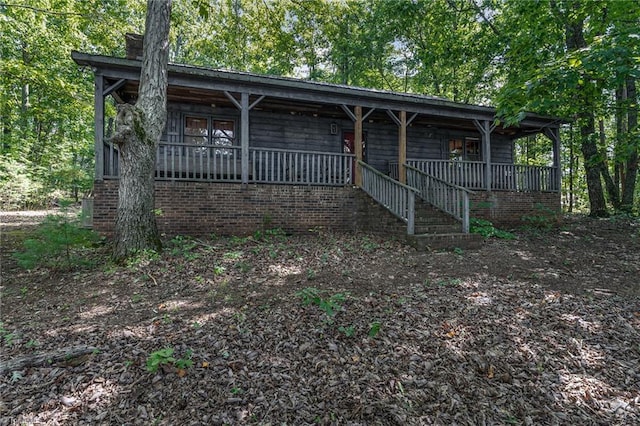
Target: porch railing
[[396, 197], [451, 199], [300, 167], [517, 177], [224, 164], [471, 174], [198, 162]]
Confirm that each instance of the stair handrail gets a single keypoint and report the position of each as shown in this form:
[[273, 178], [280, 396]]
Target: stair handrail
[[396, 197], [448, 197]]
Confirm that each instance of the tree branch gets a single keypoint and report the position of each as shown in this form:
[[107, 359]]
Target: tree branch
[[36, 9]]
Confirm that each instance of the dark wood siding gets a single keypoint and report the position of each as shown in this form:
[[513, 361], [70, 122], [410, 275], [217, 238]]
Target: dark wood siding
[[298, 132], [309, 133]]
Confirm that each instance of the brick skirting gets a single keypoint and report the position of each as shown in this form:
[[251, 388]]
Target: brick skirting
[[511, 209], [202, 209]]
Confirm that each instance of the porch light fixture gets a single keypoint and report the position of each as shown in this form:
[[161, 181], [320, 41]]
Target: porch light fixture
[[333, 129]]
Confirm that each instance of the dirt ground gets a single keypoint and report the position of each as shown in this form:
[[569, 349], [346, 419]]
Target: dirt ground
[[329, 329]]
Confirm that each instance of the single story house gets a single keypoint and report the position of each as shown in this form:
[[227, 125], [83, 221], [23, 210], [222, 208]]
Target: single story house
[[243, 151]]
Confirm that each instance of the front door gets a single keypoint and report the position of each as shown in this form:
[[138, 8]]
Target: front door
[[349, 146]]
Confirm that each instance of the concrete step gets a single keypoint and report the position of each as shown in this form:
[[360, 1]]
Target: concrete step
[[439, 228], [435, 221], [448, 241]]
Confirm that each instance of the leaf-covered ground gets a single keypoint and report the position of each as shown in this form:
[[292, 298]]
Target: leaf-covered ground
[[333, 329]]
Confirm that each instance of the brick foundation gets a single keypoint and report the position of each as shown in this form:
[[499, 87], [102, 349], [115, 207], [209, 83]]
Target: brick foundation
[[508, 209], [202, 209]]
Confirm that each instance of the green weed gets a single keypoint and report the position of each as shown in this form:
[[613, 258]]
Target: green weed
[[374, 328], [543, 220], [165, 356], [347, 331], [487, 230], [329, 305]]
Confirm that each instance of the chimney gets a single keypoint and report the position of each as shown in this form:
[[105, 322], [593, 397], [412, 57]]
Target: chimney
[[134, 45]]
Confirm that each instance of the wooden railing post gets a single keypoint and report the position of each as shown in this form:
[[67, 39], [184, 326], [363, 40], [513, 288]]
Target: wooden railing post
[[99, 126], [244, 136], [465, 213], [358, 144], [402, 147], [411, 211]]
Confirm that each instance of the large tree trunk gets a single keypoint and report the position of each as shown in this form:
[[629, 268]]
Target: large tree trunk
[[137, 133], [592, 166], [631, 169], [593, 162], [613, 190]]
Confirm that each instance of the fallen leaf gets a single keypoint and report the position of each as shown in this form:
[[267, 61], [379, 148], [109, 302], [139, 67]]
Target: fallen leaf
[[491, 372]]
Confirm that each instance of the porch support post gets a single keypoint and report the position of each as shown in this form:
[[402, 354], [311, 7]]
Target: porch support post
[[358, 144], [485, 129], [244, 136], [244, 108], [554, 135], [402, 147], [99, 126]]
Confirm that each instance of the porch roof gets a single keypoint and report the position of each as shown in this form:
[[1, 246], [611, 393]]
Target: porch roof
[[192, 84]]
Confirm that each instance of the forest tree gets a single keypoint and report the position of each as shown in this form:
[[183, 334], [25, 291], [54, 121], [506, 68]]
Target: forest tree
[[137, 134]]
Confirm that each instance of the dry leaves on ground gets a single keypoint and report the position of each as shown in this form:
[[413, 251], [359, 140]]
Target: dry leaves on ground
[[544, 329]]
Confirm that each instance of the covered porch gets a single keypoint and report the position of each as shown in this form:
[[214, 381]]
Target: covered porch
[[227, 127]]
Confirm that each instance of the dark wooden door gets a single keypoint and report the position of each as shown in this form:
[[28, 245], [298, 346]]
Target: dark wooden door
[[349, 143]]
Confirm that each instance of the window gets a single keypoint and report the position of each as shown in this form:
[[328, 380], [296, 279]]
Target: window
[[467, 149], [196, 130], [223, 135], [205, 131]]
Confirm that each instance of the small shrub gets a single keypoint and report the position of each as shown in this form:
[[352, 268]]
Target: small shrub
[[59, 242], [544, 219], [369, 246], [487, 230], [183, 246]]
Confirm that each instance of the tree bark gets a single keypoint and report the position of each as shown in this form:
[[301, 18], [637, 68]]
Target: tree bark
[[137, 134], [613, 190], [631, 168], [593, 163], [62, 355], [592, 166]]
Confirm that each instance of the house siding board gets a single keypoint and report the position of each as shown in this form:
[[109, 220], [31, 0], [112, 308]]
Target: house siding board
[[382, 144], [501, 149], [279, 130], [297, 132]]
